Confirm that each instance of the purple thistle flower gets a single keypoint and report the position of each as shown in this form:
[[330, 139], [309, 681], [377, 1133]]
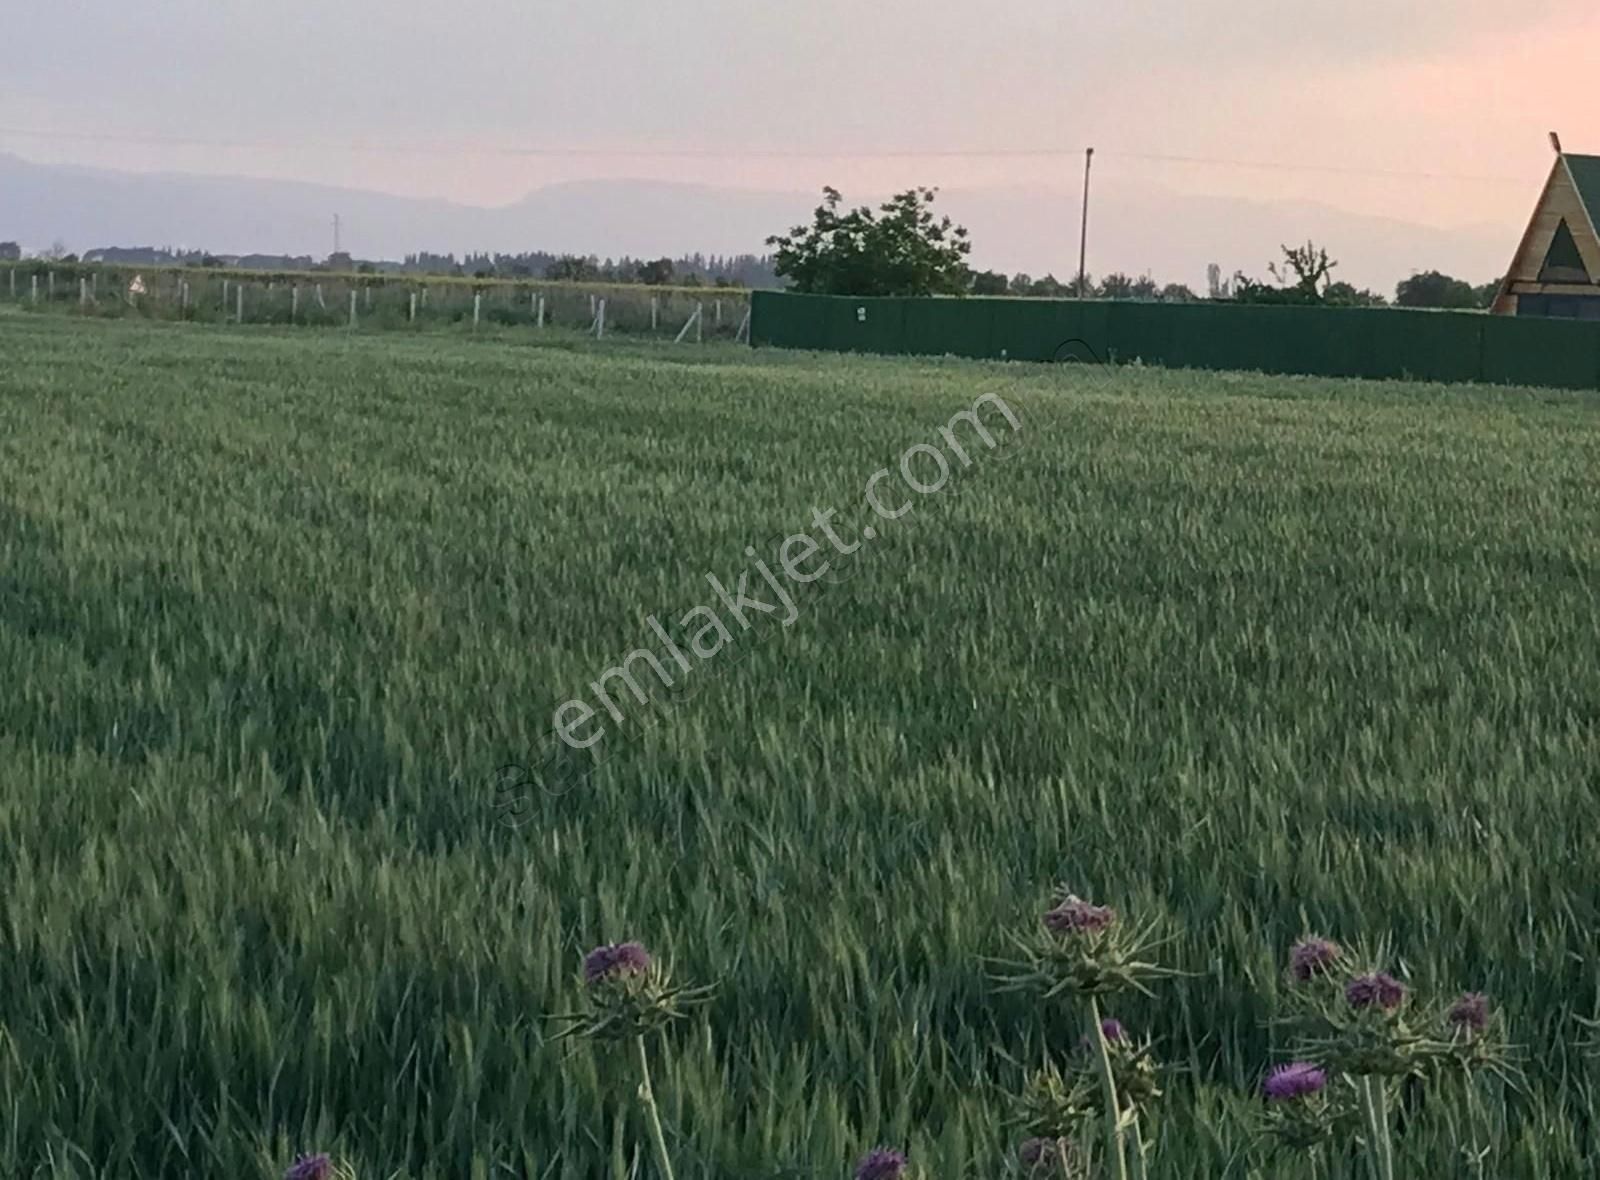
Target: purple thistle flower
[[310, 1167], [1377, 990], [1469, 1014], [1076, 916], [1311, 957], [1110, 1028], [1298, 1079], [1039, 1156], [881, 1163], [615, 960]]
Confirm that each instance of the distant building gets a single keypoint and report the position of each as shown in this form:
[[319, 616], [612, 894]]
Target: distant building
[[1556, 271]]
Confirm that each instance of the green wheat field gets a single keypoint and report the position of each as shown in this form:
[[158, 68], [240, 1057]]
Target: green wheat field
[[1249, 657]]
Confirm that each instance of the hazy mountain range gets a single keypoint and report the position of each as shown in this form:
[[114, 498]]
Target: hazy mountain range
[[1171, 235]]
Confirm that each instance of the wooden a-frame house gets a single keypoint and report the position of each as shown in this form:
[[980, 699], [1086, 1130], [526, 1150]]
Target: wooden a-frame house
[[1556, 271]]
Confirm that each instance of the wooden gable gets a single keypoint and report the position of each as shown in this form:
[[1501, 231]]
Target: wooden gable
[[1560, 250]]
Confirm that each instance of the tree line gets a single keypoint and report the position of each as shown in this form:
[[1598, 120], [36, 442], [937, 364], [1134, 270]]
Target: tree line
[[689, 270], [904, 248], [900, 248]]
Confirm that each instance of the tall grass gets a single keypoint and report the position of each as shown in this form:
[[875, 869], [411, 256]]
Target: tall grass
[[1251, 656]]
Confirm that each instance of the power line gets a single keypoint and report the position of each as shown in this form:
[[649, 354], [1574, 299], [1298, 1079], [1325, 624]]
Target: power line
[[666, 153]]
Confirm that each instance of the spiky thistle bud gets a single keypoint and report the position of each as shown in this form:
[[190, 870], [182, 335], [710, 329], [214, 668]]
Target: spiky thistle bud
[[1052, 1103], [1469, 1015], [1313, 956], [1378, 989], [627, 994], [1048, 1158], [881, 1163], [1298, 1079], [1302, 1111], [615, 960], [1072, 915], [1083, 949], [310, 1167]]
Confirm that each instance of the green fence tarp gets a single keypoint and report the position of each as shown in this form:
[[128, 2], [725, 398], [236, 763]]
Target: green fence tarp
[[1382, 343], [781, 320], [866, 325], [1523, 350], [959, 327], [1425, 345], [1031, 329]]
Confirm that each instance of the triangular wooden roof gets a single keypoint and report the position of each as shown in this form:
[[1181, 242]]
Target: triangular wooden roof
[[1571, 197]]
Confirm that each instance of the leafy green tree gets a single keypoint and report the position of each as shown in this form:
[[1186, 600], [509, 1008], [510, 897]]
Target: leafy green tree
[[990, 282], [572, 268], [901, 249], [1433, 289], [1116, 285], [658, 273], [1347, 295]]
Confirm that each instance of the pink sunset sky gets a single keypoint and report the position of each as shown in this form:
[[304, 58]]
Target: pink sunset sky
[[1428, 111]]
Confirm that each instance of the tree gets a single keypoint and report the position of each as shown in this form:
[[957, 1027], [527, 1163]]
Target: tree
[[1433, 289], [990, 282], [572, 268], [1308, 266], [1176, 293], [1346, 295], [1116, 285], [1301, 278], [10, 252], [901, 249], [658, 273]]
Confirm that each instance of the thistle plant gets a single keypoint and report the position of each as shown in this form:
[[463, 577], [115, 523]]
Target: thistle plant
[[1313, 957], [1082, 949], [1053, 1104], [1365, 1034], [1305, 1111], [317, 1166], [1364, 1023], [882, 1163], [628, 994], [1478, 1046], [1050, 1158]]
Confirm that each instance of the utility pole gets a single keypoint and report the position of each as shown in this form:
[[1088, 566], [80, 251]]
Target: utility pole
[[1083, 240]]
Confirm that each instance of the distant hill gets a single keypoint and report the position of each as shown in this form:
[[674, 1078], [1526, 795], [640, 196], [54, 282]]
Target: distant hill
[[1133, 229]]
